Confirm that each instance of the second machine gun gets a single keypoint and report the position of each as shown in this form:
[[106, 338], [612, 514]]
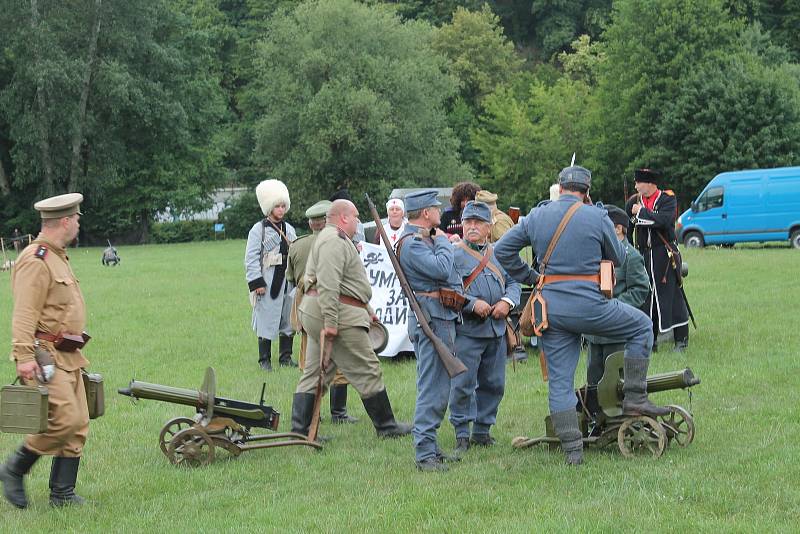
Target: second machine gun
[[219, 422]]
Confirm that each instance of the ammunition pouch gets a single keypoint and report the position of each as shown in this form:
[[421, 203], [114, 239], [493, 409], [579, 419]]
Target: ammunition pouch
[[452, 299], [95, 395]]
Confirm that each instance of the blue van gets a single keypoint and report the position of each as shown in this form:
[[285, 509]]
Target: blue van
[[739, 206]]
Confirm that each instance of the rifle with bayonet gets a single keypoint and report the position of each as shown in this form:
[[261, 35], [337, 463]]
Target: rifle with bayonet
[[453, 365]]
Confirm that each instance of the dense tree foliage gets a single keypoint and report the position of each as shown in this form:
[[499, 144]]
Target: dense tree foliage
[[150, 105], [348, 96], [113, 98]]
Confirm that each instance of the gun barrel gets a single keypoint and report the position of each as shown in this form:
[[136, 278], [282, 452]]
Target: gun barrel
[[146, 390], [666, 381]]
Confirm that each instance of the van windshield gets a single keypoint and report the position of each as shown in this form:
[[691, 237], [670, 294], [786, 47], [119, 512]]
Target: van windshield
[[711, 198]]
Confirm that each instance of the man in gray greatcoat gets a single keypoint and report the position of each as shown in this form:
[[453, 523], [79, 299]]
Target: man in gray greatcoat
[[265, 260], [426, 257], [480, 338], [575, 305]]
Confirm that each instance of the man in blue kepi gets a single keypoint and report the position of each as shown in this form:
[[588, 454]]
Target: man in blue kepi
[[575, 305], [426, 257], [480, 338]]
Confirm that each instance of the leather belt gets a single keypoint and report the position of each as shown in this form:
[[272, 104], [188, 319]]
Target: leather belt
[[45, 336], [344, 299], [431, 294], [553, 278]]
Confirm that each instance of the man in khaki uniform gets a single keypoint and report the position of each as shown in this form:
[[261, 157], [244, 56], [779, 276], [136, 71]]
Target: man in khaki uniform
[[336, 302], [296, 268], [501, 222], [47, 303]]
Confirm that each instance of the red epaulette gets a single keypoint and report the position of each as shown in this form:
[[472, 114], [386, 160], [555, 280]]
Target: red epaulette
[[41, 252]]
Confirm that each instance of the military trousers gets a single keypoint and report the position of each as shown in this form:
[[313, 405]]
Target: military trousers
[[67, 417], [433, 385], [561, 343], [351, 353], [338, 380], [476, 394]]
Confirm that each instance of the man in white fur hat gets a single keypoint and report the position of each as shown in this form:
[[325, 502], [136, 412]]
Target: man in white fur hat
[[265, 261]]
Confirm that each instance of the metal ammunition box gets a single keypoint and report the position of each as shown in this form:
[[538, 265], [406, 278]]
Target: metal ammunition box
[[23, 409], [95, 396]]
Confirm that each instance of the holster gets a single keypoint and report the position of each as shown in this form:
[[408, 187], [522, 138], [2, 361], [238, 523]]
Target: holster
[[452, 299], [71, 342], [608, 278], [95, 395], [534, 315]]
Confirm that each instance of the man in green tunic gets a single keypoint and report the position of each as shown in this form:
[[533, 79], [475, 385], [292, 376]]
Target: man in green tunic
[[336, 303], [295, 270]]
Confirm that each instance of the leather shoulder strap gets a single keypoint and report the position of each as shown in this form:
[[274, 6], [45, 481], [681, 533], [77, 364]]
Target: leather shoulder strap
[[484, 263], [563, 224], [399, 244], [475, 272]]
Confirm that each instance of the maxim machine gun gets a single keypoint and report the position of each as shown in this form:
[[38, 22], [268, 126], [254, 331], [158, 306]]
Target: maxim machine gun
[[219, 422], [603, 423]]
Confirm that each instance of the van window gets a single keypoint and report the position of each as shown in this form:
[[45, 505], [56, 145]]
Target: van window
[[711, 198]]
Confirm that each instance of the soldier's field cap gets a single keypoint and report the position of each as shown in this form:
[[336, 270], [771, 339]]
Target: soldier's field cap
[[485, 196], [318, 210], [59, 206], [650, 176], [476, 210], [421, 199], [575, 175], [617, 215]]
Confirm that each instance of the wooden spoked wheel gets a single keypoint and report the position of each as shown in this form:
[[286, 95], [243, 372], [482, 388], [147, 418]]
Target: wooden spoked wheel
[[641, 436]]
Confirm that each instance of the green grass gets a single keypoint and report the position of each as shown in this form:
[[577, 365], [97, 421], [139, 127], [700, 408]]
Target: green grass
[[169, 311]]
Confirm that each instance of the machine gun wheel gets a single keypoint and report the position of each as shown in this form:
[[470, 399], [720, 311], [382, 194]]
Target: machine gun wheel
[[191, 447], [641, 435], [679, 425], [172, 427]]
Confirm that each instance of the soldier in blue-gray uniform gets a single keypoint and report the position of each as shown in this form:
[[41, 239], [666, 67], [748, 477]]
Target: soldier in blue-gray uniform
[[426, 257], [480, 338], [575, 305]]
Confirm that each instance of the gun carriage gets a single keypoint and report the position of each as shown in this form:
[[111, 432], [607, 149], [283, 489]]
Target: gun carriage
[[219, 423], [603, 423]]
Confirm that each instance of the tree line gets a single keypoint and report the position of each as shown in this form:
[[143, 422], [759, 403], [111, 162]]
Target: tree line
[[153, 104]]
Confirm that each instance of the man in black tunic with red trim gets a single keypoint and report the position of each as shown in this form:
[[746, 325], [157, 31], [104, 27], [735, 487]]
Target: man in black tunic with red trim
[[652, 214]]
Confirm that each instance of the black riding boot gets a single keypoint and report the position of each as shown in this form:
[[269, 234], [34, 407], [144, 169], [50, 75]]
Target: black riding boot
[[339, 405], [285, 347], [634, 389], [681, 336], [380, 411], [302, 412], [565, 425], [63, 476], [265, 353], [12, 474]]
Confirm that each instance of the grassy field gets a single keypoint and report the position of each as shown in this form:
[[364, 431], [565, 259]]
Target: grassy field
[[168, 312]]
